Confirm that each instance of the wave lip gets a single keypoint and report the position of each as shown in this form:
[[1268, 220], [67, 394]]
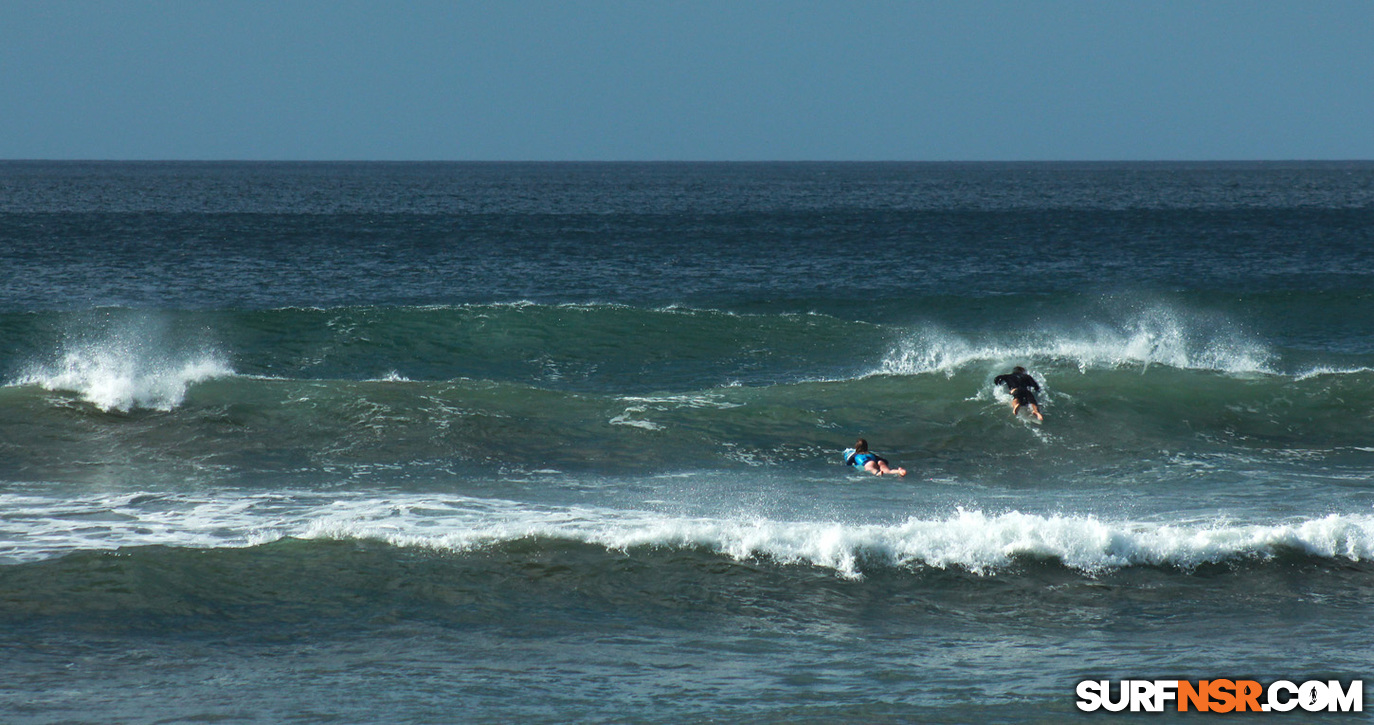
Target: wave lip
[[1156, 336], [119, 376]]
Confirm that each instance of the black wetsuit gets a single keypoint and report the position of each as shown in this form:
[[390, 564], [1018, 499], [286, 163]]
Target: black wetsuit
[[1021, 386]]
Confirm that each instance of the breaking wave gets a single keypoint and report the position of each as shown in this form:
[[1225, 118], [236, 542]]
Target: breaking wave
[[125, 371], [1157, 336], [973, 540]]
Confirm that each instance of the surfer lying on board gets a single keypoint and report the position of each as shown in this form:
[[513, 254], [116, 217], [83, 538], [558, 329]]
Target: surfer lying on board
[[860, 457], [1020, 385]]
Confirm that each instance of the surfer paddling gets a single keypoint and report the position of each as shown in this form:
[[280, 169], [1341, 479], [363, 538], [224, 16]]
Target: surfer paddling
[[861, 458], [1020, 384]]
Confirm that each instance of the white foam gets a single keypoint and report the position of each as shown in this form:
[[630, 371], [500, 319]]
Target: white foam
[[123, 371], [35, 527], [1157, 336], [626, 419]]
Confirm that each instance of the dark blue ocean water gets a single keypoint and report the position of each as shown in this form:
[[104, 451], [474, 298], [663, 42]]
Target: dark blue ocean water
[[561, 442]]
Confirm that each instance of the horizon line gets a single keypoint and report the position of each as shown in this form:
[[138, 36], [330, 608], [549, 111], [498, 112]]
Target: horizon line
[[685, 161]]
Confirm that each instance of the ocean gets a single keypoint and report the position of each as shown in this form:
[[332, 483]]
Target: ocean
[[524, 442]]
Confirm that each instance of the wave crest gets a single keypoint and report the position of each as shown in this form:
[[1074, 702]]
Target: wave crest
[[1157, 336], [970, 540], [127, 369]]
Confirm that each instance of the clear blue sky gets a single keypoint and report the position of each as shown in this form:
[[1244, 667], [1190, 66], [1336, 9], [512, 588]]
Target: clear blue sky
[[691, 80]]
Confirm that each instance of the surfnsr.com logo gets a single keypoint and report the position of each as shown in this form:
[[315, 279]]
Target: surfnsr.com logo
[[1221, 696]]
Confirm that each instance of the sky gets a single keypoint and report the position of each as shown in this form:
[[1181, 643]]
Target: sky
[[642, 80]]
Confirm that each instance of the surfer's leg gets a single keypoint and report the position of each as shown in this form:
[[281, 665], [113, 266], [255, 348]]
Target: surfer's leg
[[884, 467]]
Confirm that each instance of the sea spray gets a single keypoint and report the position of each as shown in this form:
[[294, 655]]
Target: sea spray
[[1155, 335], [127, 364]]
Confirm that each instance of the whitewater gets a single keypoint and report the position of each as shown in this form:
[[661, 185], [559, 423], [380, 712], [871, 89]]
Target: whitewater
[[41, 527]]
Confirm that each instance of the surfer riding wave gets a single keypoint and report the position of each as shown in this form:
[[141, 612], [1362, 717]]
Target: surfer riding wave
[[1020, 384]]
